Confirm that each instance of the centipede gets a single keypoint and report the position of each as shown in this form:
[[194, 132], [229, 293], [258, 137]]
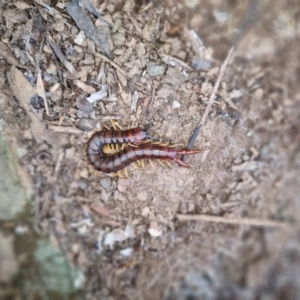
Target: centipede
[[138, 148]]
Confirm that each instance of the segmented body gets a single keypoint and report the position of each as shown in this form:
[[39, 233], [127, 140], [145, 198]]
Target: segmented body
[[121, 159]]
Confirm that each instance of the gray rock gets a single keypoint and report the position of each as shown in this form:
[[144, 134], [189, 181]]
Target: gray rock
[[118, 39], [106, 183], [154, 69], [200, 64]]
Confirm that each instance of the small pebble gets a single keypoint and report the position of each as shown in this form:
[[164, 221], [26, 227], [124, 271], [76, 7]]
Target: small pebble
[[155, 69], [106, 183]]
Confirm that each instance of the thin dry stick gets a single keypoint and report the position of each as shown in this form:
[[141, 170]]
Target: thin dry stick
[[61, 129], [244, 221], [112, 63], [135, 24], [210, 102], [216, 86], [39, 76], [247, 22], [151, 100]]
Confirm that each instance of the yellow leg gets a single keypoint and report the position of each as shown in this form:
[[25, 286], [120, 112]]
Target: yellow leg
[[113, 174], [119, 173], [115, 125], [156, 142], [147, 141], [151, 163], [168, 164], [132, 145], [176, 145], [135, 165], [111, 149], [160, 162], [126, 172], [123, 146], [112, 124]]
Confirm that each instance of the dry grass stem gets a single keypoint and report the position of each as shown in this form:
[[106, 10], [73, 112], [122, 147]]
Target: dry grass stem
[[112, 63], [216, 86], [244, 221]]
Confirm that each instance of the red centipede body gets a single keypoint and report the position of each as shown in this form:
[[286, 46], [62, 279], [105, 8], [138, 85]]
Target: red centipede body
[[120, 160]]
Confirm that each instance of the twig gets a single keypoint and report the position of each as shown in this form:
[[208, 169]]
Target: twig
[[58, 165], [39, 82], [216, 86], [60, 55], [112, 63], [135, 24], [61, 129], [150, 101], [247, 22], [210, 102], [244, 221]]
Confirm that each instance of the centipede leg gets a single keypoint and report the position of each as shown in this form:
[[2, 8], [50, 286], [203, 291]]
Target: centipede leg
[[132, 145], [126, 172], [119, 173], [141, 163], [113, 174], [135, 165], [151, 163], [175, 145], [157, 142], [160, 162], [115, 125], [168, 164]]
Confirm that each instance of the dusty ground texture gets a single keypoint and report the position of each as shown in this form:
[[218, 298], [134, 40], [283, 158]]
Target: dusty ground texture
[[65, 73]]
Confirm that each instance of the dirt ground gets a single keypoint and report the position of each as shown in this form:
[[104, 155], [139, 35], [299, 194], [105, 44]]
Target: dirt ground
[[68, 69]]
